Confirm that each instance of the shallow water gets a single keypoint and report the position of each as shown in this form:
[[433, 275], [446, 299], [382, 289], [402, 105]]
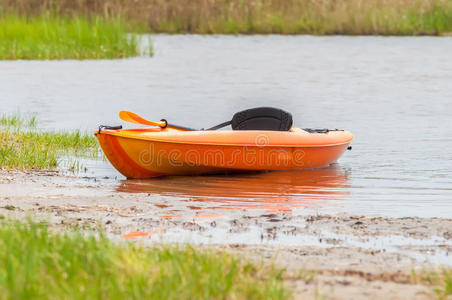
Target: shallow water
[[393, 93]]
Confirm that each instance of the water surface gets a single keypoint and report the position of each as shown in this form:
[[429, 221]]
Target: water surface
[[393, 93]]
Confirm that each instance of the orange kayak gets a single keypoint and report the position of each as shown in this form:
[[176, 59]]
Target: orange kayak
[[152, 152]]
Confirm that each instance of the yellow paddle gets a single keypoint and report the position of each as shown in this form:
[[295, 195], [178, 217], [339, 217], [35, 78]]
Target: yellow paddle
[[131, 117]]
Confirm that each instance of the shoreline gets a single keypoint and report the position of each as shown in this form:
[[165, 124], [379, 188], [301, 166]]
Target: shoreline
[[346, 256], [352, 17]]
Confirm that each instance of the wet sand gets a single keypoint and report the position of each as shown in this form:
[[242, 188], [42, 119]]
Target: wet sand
[[336, 256]]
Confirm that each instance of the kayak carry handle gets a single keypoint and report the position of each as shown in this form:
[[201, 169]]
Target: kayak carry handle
[[118, 127]]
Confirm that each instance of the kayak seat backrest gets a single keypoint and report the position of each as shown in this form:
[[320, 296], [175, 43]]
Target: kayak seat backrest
[[262, 118]]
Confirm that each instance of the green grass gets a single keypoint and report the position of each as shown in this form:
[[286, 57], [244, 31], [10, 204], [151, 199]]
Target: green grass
[[24, 147], [48, 37], [16, 121], [351, 17], [447, 289], [36, 263], [440, 280]]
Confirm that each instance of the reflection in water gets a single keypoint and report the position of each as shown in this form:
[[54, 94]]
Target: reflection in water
[[279, 191]]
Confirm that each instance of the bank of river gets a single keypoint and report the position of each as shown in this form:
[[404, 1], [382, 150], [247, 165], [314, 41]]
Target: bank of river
[[47, 37], [372, 17]]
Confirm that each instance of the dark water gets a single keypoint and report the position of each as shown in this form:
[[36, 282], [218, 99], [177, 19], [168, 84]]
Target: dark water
[[393, 93]]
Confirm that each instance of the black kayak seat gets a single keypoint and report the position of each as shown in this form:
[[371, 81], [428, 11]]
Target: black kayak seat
[[259, 118]]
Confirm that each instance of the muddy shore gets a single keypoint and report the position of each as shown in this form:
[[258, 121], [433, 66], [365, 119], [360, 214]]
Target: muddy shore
[[332, 256]]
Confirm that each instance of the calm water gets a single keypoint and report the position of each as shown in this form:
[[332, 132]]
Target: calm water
[[394, 94]]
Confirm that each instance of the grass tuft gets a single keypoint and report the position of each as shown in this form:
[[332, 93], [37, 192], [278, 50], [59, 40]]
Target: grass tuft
[[40, 264], [15, 120], [24, 147], [440, 280], [444, 278], [47, 37]]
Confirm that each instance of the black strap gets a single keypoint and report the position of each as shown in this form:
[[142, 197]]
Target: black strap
[[176, 126], [224, 124], [323, 130]]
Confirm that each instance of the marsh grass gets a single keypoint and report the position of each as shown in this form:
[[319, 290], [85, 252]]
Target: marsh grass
[[447, 286], [24, 147], [368, 17], [40, 264], [51, 37], [16, 121], [440, 280]]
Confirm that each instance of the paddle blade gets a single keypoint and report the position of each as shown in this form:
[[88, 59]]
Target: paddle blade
[[131, 117]]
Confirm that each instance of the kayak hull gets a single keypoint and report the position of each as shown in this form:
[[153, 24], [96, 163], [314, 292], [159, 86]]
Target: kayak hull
[[152, 153]]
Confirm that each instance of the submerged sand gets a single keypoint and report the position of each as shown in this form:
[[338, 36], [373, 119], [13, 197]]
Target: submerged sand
[[331, 256]]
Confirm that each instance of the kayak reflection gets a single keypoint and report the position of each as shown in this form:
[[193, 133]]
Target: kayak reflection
[[278, 191]]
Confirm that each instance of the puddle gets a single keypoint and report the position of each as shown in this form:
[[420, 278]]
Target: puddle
[[434, 250]]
